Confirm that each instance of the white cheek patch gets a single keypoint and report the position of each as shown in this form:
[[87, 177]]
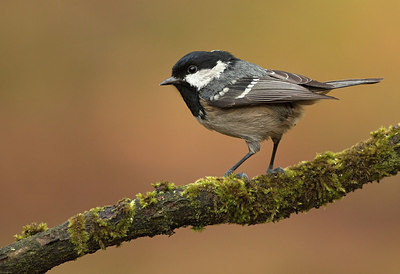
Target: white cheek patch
[[204, 76]]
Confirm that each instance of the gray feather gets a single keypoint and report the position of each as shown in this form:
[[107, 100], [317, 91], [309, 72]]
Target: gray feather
[[353, 82], [249, 84], [297, 79], [242, 69], [264, 91]]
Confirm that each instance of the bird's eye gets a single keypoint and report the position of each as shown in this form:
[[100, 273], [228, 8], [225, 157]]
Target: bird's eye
[[192, 69]]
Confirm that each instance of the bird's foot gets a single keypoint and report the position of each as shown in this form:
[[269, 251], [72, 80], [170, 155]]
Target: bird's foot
[[240, 175], [277, 170]]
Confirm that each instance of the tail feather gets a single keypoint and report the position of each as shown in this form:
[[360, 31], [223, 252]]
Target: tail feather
[[353, 82]]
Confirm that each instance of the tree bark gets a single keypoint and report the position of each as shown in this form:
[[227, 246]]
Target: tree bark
[[208, 201]]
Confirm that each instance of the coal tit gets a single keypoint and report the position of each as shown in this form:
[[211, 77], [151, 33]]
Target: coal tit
[[243, 100]]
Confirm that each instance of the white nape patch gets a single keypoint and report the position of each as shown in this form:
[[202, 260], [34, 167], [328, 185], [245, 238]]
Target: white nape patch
[[204, 76], [248, 88]]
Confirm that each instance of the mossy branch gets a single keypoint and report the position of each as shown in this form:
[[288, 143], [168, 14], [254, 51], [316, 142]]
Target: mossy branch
[[207, 201]]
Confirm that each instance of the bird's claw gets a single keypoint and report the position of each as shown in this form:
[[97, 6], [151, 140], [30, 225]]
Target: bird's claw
[[277, 170], [240, 175]]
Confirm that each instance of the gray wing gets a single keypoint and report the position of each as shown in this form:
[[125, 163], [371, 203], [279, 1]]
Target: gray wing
[[297, 79], [277, 87]]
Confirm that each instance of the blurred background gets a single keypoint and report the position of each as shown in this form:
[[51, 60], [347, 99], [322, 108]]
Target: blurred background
[[84, 123]]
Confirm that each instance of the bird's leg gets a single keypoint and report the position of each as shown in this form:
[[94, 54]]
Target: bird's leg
[[253, 148], [232, 169], [271, 168]]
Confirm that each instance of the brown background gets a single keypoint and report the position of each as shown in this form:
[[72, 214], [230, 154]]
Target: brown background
[[84, 123]]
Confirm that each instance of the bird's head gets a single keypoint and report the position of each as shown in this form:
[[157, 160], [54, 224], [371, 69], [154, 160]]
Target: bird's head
[[198, 68]]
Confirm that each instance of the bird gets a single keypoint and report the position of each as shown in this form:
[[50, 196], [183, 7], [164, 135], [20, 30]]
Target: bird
[[243, 100]]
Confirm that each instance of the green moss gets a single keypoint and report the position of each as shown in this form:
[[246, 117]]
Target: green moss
[[102, 224], [371, 160], [238, 199], [78, 233], [198, 228], [164, 186], [385, 150], [105, 230], [148, 199], [30, 230], [100, 230]]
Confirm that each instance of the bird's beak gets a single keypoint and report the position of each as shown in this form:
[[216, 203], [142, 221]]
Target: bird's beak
[[170, 81]]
